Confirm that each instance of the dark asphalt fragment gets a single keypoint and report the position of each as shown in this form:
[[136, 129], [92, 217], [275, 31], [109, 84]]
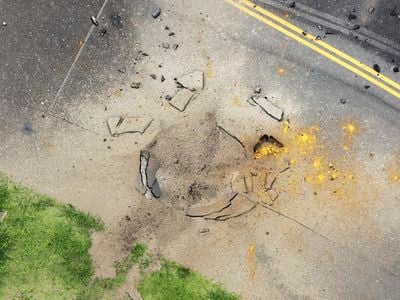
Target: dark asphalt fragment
[[377, 68], [153, 76], [395, 69], [168, 98], [103, 31], [175, 46], [156, 13], [304, 33], [135, 85], [292, 4], [394, 12], [371, 10], [352, 16], [171, 33], [162, 78], [367, 87], [355, 27], [343, 101], [94, 21]]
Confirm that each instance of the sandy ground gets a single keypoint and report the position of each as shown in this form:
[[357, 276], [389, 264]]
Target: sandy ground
[[333, 231]]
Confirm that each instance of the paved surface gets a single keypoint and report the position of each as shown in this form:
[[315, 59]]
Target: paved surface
[[344, 247]]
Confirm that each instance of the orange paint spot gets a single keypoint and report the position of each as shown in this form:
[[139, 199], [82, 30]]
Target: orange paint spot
[[281, 71]]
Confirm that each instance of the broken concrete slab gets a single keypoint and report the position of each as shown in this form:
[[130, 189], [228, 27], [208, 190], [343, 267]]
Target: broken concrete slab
[[3, 214], [270, 108], [181, 99], [193, 81], [146, 182], [120, 125], [238, 183], [239, 206], [213, 207]]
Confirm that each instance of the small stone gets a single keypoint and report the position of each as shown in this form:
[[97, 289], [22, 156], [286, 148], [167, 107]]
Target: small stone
[[204, 230], [270, 108], [175, 46], [94, 21], [103, 31], [135, 85], [4, 23], [121, 125], [343, 101], [292, 4], [166, 28], [352, 17], [122, 70], [371, 10], [377, 68], [193, 81], [367, 87], [165, 45], [171, 33], [318, 38], [257, 89], [355, 27], [156, 13], [395, 69], [168, 98], [319, 27], [153, 76], [181, 99], [162, 78]]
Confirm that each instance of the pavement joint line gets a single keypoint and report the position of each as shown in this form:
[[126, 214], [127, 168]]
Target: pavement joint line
[[315, 48], [66, 78], [322, 43]]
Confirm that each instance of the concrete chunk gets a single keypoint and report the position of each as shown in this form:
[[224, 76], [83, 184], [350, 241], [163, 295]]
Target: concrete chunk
[[182, 99], [193, 81], [270, 108], [239, 206], [120, 125], [214, 207]]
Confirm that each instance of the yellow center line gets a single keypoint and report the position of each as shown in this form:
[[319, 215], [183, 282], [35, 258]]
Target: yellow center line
[[315, 48], [322, 43]]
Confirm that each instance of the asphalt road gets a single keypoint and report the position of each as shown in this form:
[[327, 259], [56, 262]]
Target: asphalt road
[[61, 78]]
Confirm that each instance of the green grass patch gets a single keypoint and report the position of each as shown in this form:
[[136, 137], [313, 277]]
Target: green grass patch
[[44, 246], [174, 281]]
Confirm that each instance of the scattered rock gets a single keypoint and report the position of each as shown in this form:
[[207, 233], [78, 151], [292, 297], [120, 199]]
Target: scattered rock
[[213, 207], [121, 125], [356, 27], [395, 69], [270, 108], [257, 89], [352, 16], [181, 99], [122, 70], [166, 28], [193, 81], [165, 45], [103, 31], [162, 78], [168, 98], [239, 206], [94, 21], [153, 76], [367, 87], [343, 101], [393, 12], [135, 85], [371, 10], [3, 214], [4, 23], [146, 180], [156, 13], [377, 68], [171, 33], [204, 230], [292, 4], [175, 46]]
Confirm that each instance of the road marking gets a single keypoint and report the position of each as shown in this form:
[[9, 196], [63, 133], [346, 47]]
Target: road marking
[[323, 44], [312, 45]]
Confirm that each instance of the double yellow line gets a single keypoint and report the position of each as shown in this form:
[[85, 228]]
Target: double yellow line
[[318, 45]]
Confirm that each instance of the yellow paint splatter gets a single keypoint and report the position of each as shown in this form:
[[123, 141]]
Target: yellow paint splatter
[[268, 150], [286, 126], [251, 261], [350, 128], [209, 69], [281, 71]]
